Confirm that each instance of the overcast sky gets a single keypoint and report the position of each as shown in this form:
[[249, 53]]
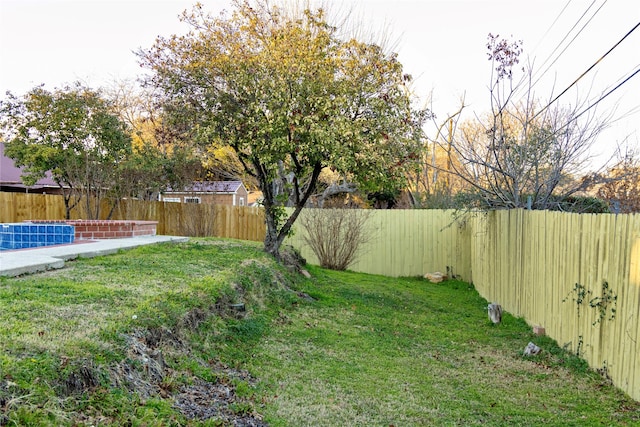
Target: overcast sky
[[441, 43]]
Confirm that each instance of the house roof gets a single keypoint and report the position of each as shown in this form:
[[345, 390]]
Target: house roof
[[225, 187], [10, 174]]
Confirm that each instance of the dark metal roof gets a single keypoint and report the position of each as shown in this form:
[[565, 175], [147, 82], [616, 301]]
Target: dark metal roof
[[10, 174], [225, 187]]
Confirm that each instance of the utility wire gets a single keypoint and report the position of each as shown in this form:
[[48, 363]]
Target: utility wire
[[604, 96], [571, 42], [621, 78], [543, 73], [589, 69], [546, 33], [549, 29], [632, 111]]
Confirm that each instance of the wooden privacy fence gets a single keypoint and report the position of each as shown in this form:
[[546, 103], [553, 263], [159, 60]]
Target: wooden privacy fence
[[576, 275], [17, 207], [177, 219], [191, 219]]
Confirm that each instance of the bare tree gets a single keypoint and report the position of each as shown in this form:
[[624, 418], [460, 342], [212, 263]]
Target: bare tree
[[433, 185], [524, 153]]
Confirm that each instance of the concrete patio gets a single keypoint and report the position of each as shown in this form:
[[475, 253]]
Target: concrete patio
[[26, 261]]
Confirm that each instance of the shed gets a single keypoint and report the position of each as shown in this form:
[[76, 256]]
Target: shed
[[231, 193]]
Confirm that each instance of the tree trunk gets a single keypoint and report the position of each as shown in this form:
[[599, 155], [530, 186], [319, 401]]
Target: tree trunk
[[67, 208], [274, 236], [271, 241], [66, 196]]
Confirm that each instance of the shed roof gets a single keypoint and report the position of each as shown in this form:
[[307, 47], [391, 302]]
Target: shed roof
[[226, 187]]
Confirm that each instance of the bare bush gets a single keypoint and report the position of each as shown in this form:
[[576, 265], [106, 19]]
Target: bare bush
[[336, 236]]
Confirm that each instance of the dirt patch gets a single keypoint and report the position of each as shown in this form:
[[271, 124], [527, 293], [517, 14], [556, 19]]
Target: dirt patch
[[146, 373], [225, 396], [204, 400], [81, 379]]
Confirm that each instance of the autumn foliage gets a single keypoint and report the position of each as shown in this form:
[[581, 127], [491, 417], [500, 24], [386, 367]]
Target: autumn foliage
[[623, 191]]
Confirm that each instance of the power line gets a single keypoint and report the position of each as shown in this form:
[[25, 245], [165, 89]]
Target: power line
[[605, 95], [633, 110], [572, 40], [621, 78], [550, 27], [589, 69]]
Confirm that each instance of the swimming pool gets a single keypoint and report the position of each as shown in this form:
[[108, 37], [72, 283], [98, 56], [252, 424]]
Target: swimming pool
[[29, 235]]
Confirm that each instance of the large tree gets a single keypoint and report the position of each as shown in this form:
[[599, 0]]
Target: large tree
[[71, 132], [290, 97]]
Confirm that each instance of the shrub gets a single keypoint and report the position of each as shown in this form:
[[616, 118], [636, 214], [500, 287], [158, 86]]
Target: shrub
[[579, 204], [335, 235]]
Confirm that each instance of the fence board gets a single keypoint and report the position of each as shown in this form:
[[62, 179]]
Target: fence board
[[17, 207], [7, 207], [630, 314], [583, 249]]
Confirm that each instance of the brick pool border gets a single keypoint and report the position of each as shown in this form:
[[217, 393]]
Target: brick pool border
[[91, 229]]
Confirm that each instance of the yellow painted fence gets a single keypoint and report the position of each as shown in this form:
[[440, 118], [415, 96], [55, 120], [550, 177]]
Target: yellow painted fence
[[407, 243], [576, 275]]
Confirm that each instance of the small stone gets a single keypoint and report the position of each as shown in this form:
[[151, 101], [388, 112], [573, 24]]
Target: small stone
[[531, 349], [436, 277], [495, 312], [305, 273]]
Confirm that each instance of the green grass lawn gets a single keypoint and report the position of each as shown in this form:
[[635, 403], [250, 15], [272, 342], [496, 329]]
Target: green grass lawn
[[149, 337]]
